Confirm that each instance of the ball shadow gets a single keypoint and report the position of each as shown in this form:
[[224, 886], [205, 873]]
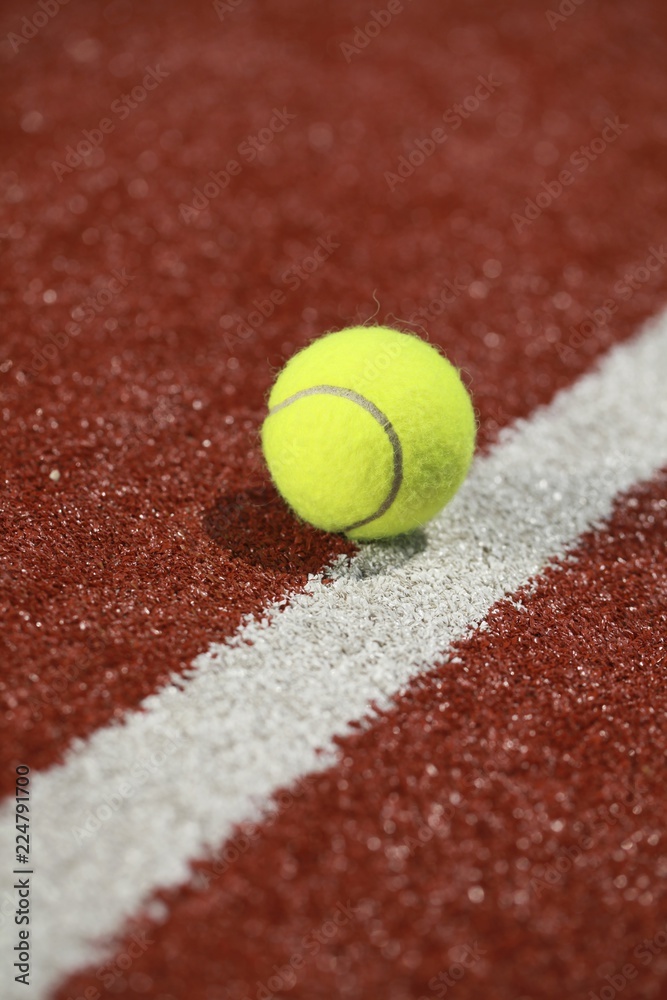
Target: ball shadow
[[256, 526], [381, 556]]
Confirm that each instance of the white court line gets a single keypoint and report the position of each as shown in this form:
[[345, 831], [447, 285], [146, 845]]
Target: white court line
[[250, 717]]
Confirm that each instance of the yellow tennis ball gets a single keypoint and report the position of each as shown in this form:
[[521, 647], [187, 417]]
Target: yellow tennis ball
[[370, 432]]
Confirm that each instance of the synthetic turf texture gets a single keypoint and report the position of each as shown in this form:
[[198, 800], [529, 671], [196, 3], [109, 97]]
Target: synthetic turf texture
[[161, 532], [384, 617]]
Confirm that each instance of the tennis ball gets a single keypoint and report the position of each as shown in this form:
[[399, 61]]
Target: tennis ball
[[370, 432]]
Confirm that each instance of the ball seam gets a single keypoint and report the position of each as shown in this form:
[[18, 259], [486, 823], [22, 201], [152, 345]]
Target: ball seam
[[384, 422]]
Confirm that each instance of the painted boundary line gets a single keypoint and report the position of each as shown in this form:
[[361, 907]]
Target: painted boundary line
[[252, 712]]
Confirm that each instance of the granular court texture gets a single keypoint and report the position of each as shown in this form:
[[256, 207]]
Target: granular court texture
[[263, 762]]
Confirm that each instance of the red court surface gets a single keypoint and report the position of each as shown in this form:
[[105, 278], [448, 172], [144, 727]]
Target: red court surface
[[188, 195]]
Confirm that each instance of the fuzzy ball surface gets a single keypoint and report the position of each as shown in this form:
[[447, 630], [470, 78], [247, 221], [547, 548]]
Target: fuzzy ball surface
[[370, 432]]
